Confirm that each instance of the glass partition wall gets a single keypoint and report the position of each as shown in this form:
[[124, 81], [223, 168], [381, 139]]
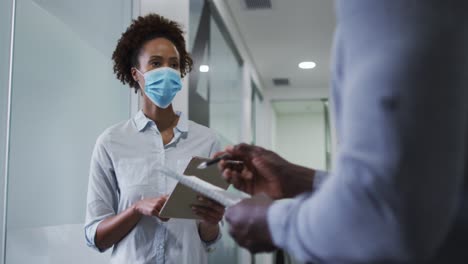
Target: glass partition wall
[[216, 81], [258, 116], [215, 88], [63, 96], [5, 41]]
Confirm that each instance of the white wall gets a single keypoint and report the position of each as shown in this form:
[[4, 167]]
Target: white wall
[[284, 94], [300, 138]]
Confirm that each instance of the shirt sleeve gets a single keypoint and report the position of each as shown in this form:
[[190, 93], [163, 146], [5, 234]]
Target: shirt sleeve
[[319, 178], [211, 245], [102, 200], [393, 193]]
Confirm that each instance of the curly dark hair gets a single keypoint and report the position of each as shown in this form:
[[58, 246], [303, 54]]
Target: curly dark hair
[[142, 30]]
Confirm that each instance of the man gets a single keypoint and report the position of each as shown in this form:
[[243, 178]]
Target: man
[[397, 192]]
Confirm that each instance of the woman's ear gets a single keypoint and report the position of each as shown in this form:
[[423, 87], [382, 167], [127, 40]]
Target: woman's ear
[[134, 74]]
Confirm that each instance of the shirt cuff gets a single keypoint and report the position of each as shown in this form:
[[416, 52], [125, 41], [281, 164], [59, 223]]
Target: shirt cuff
[[319, 178], [211, 245], [90, 235], [278, 215]]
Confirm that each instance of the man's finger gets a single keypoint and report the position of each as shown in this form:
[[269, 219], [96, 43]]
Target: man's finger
[[245, 151], [228, 215], [219, 153], [247, 174], [233, 234], [229, 148], [250, 245], [227, 175], [222, 165], [237, 182]]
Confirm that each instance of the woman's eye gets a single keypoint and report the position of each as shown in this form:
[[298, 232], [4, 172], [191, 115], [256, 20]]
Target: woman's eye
[[175, 66], [156, 63]]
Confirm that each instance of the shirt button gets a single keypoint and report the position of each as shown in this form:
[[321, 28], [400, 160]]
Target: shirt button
[[161, 246]]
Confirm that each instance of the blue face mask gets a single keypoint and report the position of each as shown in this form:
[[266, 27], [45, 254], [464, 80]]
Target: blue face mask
[[162, 85]]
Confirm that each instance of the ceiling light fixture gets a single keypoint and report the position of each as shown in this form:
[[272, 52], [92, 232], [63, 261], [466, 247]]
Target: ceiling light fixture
[[204, 68], [307, 65]]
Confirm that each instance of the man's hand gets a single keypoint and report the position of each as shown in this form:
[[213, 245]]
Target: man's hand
[[151, 206], [265, 171], [248, 224]]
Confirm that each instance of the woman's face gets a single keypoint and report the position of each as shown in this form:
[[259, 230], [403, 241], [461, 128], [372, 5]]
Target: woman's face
[[156, 53]]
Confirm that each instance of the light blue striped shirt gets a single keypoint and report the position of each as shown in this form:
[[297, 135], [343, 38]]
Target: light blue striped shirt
[[125, 168]]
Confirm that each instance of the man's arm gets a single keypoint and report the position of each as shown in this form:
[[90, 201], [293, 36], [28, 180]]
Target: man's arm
[[394, 192]]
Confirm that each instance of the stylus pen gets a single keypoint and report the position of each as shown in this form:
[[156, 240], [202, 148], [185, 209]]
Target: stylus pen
[[208, 163]]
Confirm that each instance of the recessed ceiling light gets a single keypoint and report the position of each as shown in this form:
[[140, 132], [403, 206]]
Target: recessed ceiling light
[[204, 68], [307, 65]]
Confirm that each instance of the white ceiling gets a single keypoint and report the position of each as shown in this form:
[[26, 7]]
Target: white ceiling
[[281, 37]]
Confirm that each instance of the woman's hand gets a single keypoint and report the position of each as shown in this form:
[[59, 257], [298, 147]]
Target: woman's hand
[[211, 213], [112, 229], [151, 206]]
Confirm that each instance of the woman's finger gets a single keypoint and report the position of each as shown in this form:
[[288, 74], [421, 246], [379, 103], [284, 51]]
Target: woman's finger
[[210, 203], [208, 216], [206, 212]]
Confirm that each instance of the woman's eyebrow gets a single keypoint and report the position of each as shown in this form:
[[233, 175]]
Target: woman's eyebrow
[[161, 57]]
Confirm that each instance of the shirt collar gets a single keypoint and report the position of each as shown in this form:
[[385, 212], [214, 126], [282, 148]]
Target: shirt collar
[[182, 125], [141, 121]]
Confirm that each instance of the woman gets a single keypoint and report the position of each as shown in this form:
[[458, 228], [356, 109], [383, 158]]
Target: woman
[[126, 189]]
